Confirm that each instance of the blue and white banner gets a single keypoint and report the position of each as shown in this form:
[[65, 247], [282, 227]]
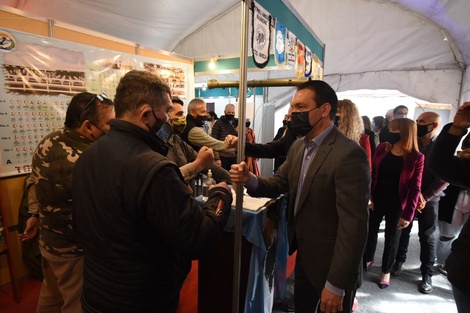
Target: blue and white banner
[[290, 48], [261, 35], [280, 51]]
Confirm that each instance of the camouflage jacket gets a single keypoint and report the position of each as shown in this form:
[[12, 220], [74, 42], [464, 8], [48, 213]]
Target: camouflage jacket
[[52, 168]]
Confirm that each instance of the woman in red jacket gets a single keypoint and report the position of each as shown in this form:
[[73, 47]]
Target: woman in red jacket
[[397, 169]]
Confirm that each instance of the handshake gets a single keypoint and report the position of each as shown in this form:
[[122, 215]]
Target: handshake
[[231, 141]]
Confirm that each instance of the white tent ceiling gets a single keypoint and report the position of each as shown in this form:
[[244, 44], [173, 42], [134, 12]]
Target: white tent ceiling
[[421, 48]]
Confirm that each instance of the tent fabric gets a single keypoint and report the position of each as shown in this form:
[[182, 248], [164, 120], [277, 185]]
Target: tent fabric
[[421, 48]]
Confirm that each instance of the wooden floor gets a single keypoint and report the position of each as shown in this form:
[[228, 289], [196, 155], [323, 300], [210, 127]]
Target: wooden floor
[[30, 287]]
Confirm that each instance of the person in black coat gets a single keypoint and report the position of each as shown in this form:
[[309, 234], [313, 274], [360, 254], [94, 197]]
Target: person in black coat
[[456, 171]]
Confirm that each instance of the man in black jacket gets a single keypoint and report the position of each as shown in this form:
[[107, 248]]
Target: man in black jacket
[[456, 171], [139, 225], [225, 126]]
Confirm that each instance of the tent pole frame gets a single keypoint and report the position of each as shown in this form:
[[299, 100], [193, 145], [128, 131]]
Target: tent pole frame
[[245, 5], [211, 84]]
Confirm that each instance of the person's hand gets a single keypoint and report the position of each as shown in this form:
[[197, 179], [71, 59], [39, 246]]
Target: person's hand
[[231, 141], [239, 173], [421, 203], [221, 184], [218, 162], [32, 228], [403, 223], [461, 122], [330, 303], [371, 205], [204, 159]]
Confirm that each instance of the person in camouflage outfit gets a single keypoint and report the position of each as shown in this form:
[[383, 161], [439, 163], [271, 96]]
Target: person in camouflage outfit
[[86, 120]]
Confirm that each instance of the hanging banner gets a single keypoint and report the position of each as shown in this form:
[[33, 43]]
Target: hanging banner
[[299, 59], [260, 35], [280, 51], [315, 67], [308, 62], [39, 77], [290, 49]]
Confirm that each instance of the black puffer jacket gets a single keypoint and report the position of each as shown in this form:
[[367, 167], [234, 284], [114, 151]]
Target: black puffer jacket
[[139, 226]]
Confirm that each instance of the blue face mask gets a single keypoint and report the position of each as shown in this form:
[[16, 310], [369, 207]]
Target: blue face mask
[[373, 126]]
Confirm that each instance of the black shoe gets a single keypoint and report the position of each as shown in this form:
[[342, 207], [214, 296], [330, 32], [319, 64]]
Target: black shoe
[[442, 269], [426, 284], [396, 269]]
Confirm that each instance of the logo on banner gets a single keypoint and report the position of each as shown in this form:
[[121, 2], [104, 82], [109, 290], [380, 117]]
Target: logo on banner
[[261, 36], [7, 42], [280, 50]]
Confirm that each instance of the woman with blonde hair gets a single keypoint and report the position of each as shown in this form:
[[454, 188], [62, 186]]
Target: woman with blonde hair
[[397, 170], [349, 122]]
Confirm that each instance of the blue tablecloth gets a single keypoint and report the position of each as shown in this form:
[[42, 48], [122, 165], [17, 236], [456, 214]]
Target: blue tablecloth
[[266, 229]]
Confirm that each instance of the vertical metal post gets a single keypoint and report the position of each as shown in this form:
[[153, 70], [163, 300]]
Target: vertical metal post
[[50, 23], [245, 5]]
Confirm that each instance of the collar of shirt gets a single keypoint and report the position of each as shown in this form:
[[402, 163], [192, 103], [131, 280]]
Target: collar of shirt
[[319, 138]]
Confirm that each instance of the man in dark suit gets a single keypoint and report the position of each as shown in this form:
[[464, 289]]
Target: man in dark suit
[[328, 178]]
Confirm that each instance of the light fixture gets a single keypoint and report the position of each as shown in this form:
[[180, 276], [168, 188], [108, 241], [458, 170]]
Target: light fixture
[[213, 61]]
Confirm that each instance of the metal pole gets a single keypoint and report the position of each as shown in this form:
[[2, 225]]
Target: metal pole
[[245, 5], [256, 83]]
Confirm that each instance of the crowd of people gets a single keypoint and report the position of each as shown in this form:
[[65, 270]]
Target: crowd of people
[[119, 223]]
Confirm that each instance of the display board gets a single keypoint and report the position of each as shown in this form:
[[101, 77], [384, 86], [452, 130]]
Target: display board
[[38, 77]]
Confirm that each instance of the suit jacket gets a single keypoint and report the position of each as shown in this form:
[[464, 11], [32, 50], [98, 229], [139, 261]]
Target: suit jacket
[[330, 227], [409, 185]]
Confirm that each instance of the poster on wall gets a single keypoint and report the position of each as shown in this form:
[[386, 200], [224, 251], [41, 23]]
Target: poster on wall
[[39, 76]]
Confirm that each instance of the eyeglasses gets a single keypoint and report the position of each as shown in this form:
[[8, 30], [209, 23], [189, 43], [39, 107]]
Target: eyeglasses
[[401, 114], [101, 97]]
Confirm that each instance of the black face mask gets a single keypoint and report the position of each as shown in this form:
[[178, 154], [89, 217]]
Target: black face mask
[[156, 127], [284, 123], [301, 124], [393, 138], [229, 117], [337, 119], [423, 130], [247, 124], [200, 119]]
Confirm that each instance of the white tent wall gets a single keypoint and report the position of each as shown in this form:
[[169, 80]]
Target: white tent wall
[[466, 86], [371, 44]]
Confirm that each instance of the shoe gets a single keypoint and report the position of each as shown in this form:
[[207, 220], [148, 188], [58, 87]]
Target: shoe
[[442, 269], [355, 305], [369, 265], [426, 284], [396, 269], [384, 284]]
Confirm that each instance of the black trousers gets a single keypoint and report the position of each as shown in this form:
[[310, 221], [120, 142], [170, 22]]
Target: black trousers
[[307, 297], [392, 213], [427, 222]]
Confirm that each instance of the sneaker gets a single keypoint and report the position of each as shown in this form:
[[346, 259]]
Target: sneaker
[[396, 269], [425, 286], [442, 269]]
